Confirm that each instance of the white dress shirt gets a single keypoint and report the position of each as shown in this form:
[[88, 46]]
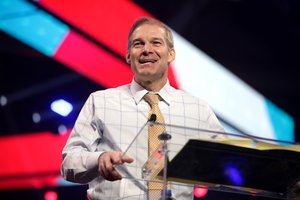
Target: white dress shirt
[[111, 118]]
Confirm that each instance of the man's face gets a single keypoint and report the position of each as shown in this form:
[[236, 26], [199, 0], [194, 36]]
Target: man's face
[[149, 55]]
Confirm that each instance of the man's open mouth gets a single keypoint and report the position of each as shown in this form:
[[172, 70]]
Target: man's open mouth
[[146, 59], [143, 61]]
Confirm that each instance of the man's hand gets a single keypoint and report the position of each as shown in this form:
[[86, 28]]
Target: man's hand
[[108, 160]]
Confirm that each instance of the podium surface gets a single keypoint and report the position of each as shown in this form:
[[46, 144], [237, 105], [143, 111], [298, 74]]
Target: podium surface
[[271, 171], [236, 164]]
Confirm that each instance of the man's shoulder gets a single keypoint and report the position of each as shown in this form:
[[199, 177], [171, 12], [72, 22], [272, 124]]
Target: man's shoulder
[[188, 98]]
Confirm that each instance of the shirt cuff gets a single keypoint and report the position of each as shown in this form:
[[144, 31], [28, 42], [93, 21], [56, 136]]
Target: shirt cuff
[[92, 161]]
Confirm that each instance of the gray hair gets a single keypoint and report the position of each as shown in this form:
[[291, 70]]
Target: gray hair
[[147, 20]]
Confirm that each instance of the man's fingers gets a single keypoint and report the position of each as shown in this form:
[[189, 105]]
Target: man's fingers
[[116, 157], [111, 174], [103, 165], [106, 166], [119, 158], [108, 160], [127, 159]]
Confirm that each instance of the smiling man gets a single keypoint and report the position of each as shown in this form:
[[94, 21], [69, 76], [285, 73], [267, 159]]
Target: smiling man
[[110, 120], [150, 52]]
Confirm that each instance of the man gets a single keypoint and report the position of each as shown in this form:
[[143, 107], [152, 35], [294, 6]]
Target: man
[[110, 119]]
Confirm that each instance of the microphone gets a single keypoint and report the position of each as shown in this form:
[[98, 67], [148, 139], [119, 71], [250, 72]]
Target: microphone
[[164, 135], [152, 118]]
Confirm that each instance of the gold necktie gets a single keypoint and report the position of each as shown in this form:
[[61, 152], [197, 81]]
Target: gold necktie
[[153, 141], [154, 130]]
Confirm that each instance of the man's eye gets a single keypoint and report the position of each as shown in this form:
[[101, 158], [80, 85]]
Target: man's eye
[[137, 44], [156, 42]]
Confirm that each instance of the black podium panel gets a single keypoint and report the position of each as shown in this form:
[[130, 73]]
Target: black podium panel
[[223, 164]]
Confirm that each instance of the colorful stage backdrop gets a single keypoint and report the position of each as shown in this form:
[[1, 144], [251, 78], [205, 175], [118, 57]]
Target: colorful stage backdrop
[[90, 37]]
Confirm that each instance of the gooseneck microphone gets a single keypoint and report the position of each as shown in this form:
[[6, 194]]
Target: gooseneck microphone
[[152, 118], [164, 135]]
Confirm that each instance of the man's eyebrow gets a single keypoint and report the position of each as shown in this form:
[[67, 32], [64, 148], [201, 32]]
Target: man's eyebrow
[[136, 39], [157, 38], [140, 39]]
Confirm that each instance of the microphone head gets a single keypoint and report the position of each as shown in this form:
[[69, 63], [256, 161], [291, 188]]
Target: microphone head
[[164, 136], [152, 118]]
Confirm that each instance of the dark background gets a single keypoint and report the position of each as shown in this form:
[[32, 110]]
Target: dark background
[[256, 40], [259, 41]]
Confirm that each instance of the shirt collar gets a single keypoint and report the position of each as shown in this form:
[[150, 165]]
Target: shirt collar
[[138, 92]]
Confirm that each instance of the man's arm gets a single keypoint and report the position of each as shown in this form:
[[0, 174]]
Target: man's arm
[[82, 159], [80, 155]]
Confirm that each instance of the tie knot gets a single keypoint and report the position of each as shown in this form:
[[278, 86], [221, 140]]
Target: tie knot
[[151, 98]]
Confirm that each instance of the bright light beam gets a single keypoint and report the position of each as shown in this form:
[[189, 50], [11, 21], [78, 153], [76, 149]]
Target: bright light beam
[[61, 107]]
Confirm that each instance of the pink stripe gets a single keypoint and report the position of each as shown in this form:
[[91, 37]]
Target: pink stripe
[[108, 23], [31, 160], [92, 61]]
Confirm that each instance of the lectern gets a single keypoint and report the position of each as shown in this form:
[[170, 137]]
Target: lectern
[[234, 163]]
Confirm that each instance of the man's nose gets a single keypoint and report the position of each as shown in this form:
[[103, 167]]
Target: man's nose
[[147, 48]]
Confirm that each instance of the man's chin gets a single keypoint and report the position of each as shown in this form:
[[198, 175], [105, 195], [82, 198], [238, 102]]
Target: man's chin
[[145, 73], [144, 77]]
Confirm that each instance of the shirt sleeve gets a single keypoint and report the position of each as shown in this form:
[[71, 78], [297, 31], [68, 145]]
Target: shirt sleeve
[[215, 125], [80, 155]]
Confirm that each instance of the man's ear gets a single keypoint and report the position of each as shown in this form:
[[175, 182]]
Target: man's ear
[[128, 58], [171, 55]]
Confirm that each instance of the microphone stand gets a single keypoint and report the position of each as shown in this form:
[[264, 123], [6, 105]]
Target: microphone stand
[[165, 137], [150, 121], [162, 137]]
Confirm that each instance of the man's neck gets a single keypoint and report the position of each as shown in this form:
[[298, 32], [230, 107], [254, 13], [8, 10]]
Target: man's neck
[[155, 86]]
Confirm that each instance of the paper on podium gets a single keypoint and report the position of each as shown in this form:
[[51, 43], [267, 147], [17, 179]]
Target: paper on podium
[[259, 145]]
